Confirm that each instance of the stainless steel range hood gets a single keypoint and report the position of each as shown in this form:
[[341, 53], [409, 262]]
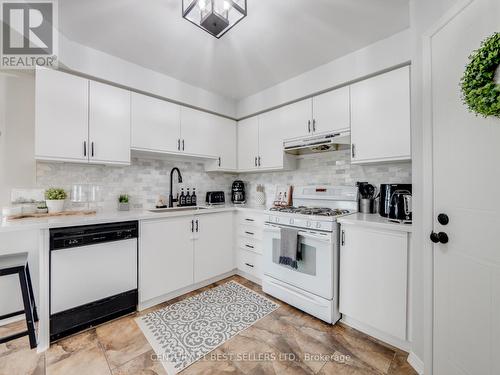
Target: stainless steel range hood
[[318, 143]]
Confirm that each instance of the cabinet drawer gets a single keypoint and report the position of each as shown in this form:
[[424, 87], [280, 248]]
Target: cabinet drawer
[[250, 245], [251, 232], [250, 263], [250, 219]]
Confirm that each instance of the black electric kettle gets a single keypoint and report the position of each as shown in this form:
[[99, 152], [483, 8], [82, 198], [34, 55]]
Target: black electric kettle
[[400, 209]]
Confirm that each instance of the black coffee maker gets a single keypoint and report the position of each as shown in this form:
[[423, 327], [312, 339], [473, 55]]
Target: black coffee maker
[[238, 192], [395, 202]]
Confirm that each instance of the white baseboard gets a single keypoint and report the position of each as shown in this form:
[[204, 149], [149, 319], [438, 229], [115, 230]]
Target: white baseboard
[[166, 297], [416, 363], [382, 336], [11, 320], [248, 276]]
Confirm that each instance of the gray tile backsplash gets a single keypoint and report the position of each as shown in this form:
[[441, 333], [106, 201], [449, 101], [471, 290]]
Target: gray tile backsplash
[[146, 179]]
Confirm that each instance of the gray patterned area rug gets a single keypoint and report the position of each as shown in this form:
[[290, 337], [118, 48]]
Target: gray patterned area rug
[[184, 332]]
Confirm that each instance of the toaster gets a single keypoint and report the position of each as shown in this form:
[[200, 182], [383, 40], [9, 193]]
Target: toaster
[[215, 197]]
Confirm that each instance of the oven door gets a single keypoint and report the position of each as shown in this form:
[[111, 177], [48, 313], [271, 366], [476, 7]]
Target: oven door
[[315, 271]]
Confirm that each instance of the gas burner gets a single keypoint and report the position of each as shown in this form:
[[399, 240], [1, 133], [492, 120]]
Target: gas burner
[[315, 211]]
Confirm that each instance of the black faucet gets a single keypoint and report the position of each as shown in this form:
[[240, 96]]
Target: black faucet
[[171, 199]]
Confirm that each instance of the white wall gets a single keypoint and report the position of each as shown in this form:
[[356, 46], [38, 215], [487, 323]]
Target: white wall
[[423, 15], [17, 132], [101, 65], [374, 58]]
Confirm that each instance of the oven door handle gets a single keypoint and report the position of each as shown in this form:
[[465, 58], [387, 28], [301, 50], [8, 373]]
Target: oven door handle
[[276, 229]]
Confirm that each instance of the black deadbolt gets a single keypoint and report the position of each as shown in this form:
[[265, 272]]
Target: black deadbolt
[[443, 219]]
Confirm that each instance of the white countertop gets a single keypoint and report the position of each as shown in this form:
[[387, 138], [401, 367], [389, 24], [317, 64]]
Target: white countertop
[[110, 217], [374, 220]]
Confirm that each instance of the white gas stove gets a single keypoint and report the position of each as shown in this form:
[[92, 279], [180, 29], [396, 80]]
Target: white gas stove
[[313, 285]]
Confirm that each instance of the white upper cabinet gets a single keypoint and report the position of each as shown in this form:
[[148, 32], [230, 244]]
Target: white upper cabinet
[[271, 135], [155, 124], [198, 132], [225, 145], [380, 118], [295, 120], [109, 124], [248, 143], [331, 111], [61, 119]]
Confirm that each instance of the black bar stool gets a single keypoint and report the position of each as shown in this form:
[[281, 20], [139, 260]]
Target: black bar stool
[[18, 263]]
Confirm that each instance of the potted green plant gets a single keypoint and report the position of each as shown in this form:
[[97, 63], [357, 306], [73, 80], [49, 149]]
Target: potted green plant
[[123, 202], [54, 199]]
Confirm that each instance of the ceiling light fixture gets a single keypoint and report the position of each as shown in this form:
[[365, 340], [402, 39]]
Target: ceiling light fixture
[[216, 17]]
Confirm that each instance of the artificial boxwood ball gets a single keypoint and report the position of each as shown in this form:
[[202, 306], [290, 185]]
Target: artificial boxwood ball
[[480, 91]]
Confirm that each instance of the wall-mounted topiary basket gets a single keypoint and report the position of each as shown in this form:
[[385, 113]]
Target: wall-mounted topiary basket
[[480, 91]]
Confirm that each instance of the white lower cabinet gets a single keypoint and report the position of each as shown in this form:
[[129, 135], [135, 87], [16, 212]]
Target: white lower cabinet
[[213, 245], [249, 232], [373, 278], [175, 253]]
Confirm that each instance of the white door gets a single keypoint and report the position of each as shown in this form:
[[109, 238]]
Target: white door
[[225, 144], [109, 124], [373, 278], [380, 117], [61, 130], [213, 249], [165, 256], [466, 178], [248, 143], [271, 134], [331, 111], [295, 119], [155, 124], [198, 132]]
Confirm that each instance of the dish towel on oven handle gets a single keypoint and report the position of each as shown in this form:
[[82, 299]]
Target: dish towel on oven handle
[[290, 251]]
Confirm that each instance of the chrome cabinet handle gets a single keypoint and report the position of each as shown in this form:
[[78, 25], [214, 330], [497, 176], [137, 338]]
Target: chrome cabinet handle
[[309, 126], [343, 238], [92, 149], [353, 150], [192, 226], [314, 125], [249, 246], [183, 145], [85, 148], [249, 265], [259, 161], [179, 144], [249, 219], [219, 161], [250, 233], [197, 226], [256, 161]]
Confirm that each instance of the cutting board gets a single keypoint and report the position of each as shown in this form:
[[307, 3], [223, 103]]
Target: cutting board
[[41, 216]]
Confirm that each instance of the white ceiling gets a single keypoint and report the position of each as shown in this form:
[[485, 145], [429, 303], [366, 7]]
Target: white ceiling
[[278, 40]]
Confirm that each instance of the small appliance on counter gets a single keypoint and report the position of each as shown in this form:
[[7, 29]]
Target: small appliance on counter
[[367, 196], [395, 202], [238, 192], [283, 196], [215, 198]]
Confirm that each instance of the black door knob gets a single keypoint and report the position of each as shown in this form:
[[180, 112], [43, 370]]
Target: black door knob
[[440, 237], [443, 219]]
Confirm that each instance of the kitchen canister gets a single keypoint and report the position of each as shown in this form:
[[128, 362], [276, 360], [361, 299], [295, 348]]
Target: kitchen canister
[[367, 205], [260, 196]]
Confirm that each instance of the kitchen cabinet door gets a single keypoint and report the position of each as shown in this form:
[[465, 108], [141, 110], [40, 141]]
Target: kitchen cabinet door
[[155, 124], [271, 135], [248, 143], [165, 256], [380, 118], [225, 144], [198, 132], [61, 116], [213, 249], [295, 119], [109, 124], [331, 111], [373, 278]]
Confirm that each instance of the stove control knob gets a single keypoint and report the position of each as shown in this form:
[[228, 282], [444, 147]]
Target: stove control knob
[[291, 221], [277, 219], [308, 224], [318, 225]]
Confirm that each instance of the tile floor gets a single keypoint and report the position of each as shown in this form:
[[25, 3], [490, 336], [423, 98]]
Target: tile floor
[[285, 342]]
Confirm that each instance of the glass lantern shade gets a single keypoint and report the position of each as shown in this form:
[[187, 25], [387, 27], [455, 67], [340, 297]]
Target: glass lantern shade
[[214, 16]]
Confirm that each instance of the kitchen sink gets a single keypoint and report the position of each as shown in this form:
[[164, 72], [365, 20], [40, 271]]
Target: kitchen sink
[[177, 209]]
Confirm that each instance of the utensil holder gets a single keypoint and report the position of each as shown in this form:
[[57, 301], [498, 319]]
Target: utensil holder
[[367, 206]]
